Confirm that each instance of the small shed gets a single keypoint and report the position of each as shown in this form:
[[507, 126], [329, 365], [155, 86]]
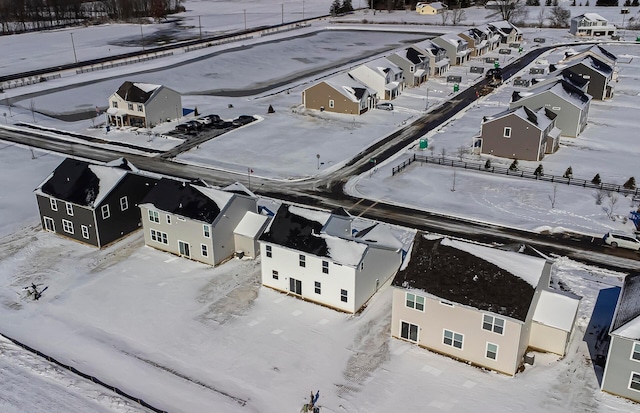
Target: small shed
[[553, 322], [247, 233]]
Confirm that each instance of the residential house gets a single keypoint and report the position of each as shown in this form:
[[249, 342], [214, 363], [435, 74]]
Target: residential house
[[247, 233], [143, 105], [340, 94], [93, 204], [316, 255], [570, 104], [381, 75], [480, 305], [507, 31], [456, 47], [597, 72], [477, 40], [596, 51], [546, 79], [622, 370], [433, 8], [435, 56], [591, 24], [493, 37], [413, 65], [194, 220], [519, 133]]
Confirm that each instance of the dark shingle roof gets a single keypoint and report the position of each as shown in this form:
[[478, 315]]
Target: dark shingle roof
[[296, 232], [461, 277], [414, 56], [182, 198], [73, 181], [629, 302], [131, 93]]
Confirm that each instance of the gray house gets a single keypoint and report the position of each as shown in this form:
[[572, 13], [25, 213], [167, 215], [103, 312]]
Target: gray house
[[622, 371], [194, 220], [594, 50], [518, 133], [436, 57], [507, 31], [569, 103], [456, 47], [597, 72], [413, 65], [93, 204]]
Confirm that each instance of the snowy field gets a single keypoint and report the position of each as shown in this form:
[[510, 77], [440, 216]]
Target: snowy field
[[190, 338]]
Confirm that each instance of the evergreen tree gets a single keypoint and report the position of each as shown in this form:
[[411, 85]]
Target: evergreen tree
[[587, 3], [346, 6], [335, 7], [568, 173], [514, 165], [487, 165], [627, 3], [547, 2], [539, 171], [596, 180], [635, 3], [573, 3], [630, 184]]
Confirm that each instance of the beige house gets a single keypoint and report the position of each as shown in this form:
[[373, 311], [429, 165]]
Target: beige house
[[340, 94], [143, 105], [480, 305], [431, 8]]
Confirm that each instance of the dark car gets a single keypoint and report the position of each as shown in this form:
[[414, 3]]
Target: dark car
[[243, 120], [195, 124], [185, 127], [222, 124]]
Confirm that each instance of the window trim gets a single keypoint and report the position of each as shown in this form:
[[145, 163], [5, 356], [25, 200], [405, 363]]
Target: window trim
[[417, 340], [302, 260], [453, 339], [106, 213], [493, 324], [204, 250], [268, 251], [154, 216], [317, 287], [66, 224], [275, 275], [325, 267], [206, 230], [332, 103], [85, 231], [159, 236], [168, 219], [69, 207], [486, 351], [124, 203], [415, 302], [344, 296], [631, 381], [53, 203], [506, 132], [634, 351]]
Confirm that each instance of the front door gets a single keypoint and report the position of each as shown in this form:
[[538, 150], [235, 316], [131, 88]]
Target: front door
[[295, 286], [185, 251], [49, 225]]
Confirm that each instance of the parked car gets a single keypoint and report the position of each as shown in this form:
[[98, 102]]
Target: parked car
[[208, 120], [222, 124], [243, 120], [620, 239], [385, 106], [185, 127], [196, 125]]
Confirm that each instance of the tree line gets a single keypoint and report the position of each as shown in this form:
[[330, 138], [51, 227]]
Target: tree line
[[18, 16]]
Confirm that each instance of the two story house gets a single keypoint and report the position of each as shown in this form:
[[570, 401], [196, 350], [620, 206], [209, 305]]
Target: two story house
[[480, 305], [622, 370], [508, 32], [143, 105], [381, 75], [519, 133], [569, 103], [435, 56], [340, 94], [597, 72], [493, 37], [194, 220], [456, 47], [591, 24], [432, 8], [316, 256], [413, 65], [477, 40], [92, 203]]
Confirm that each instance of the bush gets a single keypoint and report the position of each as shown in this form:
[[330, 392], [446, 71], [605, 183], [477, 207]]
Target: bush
[[568, 173], [539, 171], [514, 165], [596, 180], [630, 184], [487, 165]]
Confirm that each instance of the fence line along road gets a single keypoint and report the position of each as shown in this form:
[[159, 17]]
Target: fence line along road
[[518, 173]]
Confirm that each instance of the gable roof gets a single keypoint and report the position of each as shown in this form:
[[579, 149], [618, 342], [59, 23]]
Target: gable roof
[[430, 47], [504, 27], [539, 119], [251, 225], [452, 39], [83, 183], [590, 16], [488, 279], [414, 56], [626, 319], [561, 88], [349, 87], [591, 62], [436, 5], [189, 200], [137, 92], [578, 81], [595, 49], [383, 66]]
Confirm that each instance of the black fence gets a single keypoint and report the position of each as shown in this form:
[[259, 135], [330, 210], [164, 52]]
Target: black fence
[[519, 173], [86, 376]]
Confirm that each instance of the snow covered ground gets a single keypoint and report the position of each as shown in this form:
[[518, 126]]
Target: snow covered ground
[[189, 338]]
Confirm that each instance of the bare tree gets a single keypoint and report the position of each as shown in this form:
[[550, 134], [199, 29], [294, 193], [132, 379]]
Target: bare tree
[[431, 149], [443, 152], [613, 200], [512, 10], [445, 16], [453, 184], [559, 17], [32, 107], [462, 151], [542, 16], [553, 196], [457, 16], [599, 196]]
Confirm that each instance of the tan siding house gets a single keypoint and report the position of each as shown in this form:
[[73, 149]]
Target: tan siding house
[[340, 94], [143, 105]]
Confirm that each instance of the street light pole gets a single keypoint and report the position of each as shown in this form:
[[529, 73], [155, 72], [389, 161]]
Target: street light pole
[[142, 37], [74, 49], [427, 105], [282, 7], [318, 158], [200, 26], [245, 18]]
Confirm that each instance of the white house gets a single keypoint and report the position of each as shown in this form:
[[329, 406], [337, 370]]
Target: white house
[[381, 75], [314, 255], [143, 105], [591, 24]]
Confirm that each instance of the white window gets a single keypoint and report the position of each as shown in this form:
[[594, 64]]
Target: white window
[[114, 104], [635, 351], [491, 323], [139, 108], [274, 274], [130, 106], [85, 231], [343, 296], [168, 219], [204, 250], [556, 108], [325, 267], [317, 287], [153, 216], [586, 76], [49, 224], [206, 231], [634, 381], [331, 103], [268, 251], [69, 209], [492, 351], [452, 339], [302, 261], [507, 132], [54, 204], [124, 203], [409, 331], [67, 226], [412, 69], [158, 236], [105, 211], [415, 301]]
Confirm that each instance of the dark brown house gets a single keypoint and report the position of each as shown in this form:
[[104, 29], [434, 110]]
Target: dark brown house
[[340, 94], [91, 203], [518, 133]]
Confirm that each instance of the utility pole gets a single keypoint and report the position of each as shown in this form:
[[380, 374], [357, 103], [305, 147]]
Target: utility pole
[[200, 26], [302, 9], [74, 49], [282, 7], [141, 38], [245, 18]]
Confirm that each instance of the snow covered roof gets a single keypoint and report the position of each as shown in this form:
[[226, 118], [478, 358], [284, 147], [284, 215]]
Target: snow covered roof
[[348, 86], [383, 66], [590, 16], [251, 225], [626, 319], [137, 92], [595, 50], [561, 88], [452, 39], [488, 279], [429, 47], [240, 189], [379, 235], [593, 63], [556, 310], [540, 119]]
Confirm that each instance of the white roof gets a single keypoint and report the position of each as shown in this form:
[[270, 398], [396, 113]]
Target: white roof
[[310, 214], [344, 251], [419, 72], [592, 16], [116, 111], [556, 310], [630, 329], [221, 198], [146, 87], [108, 177], [251, 225]]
